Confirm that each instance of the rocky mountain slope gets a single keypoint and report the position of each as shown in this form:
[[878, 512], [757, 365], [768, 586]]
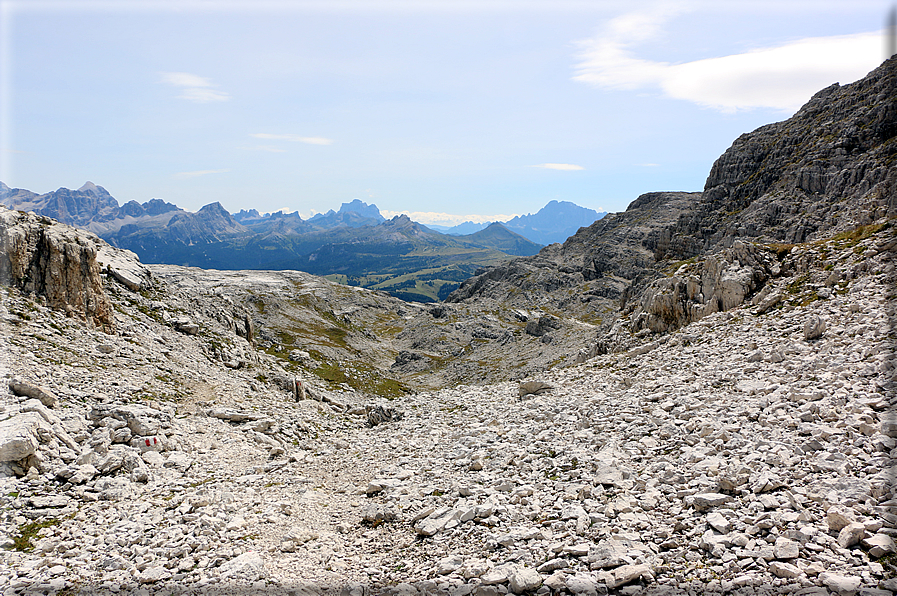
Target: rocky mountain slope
[[752, 451], [829, 168]]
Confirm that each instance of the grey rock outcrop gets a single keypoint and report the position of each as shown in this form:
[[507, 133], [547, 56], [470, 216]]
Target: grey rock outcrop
[[44, 257], [827, 168], [601, 260], [43, 394], [717, 283], [672, 258]]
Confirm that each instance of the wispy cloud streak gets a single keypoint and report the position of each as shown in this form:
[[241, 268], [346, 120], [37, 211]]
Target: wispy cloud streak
[[559, 166], [194, 88]]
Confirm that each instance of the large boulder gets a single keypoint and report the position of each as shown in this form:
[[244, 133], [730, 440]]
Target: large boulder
[[19, 436]]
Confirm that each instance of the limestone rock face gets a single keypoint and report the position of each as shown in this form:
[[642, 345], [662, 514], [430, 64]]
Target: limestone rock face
[[829, 167], [42, 256], [718, 283], [605, 256]]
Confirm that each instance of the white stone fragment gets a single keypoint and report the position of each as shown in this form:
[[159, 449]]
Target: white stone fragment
[[851, 534], [879, 545], [786, 548], [843, 585], [719, 522], [838, 516], [787, 570], [18, 436], [703, 501], [524, 579]]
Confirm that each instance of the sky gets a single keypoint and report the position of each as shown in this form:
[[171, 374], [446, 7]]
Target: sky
[[448, 110]]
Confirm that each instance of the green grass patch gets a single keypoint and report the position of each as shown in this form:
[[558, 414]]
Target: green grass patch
[[27, 532], [362, 377], [854, 236], [332, 373], [796, 286], [781, 250], [285, 338], [673, 267], [339, 278]]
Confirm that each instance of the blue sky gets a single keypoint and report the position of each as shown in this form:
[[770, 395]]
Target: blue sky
[[447, 110]]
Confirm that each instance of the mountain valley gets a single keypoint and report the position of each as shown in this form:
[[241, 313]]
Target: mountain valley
[[697, 395]]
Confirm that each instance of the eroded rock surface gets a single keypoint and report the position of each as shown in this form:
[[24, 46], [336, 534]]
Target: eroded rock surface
[[41, 256]]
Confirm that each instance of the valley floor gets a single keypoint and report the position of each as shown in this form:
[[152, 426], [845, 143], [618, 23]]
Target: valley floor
[[733, 456]]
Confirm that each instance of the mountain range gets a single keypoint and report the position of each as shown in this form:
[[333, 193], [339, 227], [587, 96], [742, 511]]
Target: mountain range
[[355, 245], [555, 222]]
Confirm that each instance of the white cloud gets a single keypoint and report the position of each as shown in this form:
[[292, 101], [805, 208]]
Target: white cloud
[[293, 138], [445, 219], [783, 77], [194, 88], [558, 166], [182, 175]]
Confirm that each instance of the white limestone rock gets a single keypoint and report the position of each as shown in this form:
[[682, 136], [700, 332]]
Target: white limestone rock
[[247, 567], [786, 570], [18, 436], [39, 392], [851, 534], [786, 548], [814, 327], [879, 545], [704, 501], [629, 573], [151, 575], [843, 585], [719, 522], [524, 579], [839, 516]]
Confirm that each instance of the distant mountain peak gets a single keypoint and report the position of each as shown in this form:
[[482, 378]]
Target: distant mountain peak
[[216, 206], [554, 222], [362, 208], [158, 206], [89, 187]]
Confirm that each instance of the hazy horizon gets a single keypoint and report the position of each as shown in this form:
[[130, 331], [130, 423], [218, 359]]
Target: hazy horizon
[[458, 110]]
